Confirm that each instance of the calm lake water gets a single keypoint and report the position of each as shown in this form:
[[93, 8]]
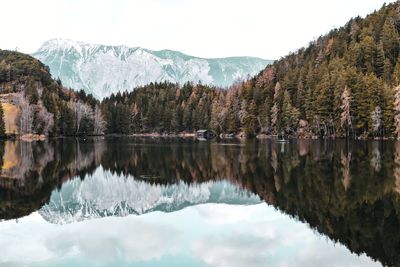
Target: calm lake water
[[175, 202]]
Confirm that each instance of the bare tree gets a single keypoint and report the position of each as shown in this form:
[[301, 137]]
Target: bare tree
[[25, 118], [376, 119], [99, 122], [81, 110], [44, 120], [345, 115]]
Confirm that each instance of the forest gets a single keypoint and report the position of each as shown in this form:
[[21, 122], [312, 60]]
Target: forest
[[343, 84], [44, 105]]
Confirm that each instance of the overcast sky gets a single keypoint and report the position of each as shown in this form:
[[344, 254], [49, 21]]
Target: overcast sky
[[206, 28]]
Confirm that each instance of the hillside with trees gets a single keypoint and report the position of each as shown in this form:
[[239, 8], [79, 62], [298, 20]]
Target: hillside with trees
[[345, 83], [33, 103]]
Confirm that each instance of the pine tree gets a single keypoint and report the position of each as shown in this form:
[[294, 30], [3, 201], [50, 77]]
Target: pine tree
[[379, 60], [390, 40], [233, 108], [324, 99], [250, 119], [396, 72], [388, 68], [290, 114], [67, 122], [31, 93], [309, 106], [86, 126], [123, 116], [388, 111], [368, 47]]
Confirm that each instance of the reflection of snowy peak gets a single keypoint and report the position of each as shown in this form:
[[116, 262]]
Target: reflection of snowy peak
[[102, 70], [104, 194]]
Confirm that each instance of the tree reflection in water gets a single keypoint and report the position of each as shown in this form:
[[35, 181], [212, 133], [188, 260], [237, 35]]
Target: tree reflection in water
[[348, 191]]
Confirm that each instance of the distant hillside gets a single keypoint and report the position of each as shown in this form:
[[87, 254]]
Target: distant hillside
[[345, 83], [102, 70], [34, 103]]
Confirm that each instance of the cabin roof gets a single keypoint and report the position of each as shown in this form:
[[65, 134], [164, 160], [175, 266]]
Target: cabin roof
[[202, 131]]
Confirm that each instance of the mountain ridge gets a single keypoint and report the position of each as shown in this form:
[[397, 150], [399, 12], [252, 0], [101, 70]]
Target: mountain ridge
[[78, 200], [105, 69]]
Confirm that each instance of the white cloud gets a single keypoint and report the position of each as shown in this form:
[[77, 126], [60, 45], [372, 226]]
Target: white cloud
[[266, 237], [229, 214], [260, 236], [206, 28], [98, 242]]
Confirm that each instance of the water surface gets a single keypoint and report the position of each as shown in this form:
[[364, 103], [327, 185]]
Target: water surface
[[181, 202]]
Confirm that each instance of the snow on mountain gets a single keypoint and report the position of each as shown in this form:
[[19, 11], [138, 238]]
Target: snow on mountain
[[102, 70], [105, 194]]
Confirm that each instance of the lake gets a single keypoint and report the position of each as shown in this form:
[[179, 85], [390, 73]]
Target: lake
[[180, 202]]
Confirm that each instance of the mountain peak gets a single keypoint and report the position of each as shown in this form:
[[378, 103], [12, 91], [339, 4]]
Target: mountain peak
[[59, 43]]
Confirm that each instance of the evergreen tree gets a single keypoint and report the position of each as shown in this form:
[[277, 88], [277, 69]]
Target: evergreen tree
[[250, 119], [31, 93], [86, 126], [388, 68], [396, 72], [290, 114], [390, 40], [368, 48], [123, 116], [67, 121], [379, 60], [324, 99], [388, 110]]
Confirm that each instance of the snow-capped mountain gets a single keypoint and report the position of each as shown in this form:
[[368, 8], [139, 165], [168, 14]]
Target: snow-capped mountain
[[105, 194], [102, 69]]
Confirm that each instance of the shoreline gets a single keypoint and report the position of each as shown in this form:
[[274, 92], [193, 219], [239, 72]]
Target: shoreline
[[240, 136]]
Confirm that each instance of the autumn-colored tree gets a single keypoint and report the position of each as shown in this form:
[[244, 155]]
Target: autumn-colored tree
[[275, 110], [2, 124]]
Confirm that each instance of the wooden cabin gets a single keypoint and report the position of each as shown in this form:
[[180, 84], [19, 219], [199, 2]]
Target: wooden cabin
[[206, 134]]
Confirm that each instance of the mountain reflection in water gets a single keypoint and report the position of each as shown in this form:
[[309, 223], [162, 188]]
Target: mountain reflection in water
[[347, 191]]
